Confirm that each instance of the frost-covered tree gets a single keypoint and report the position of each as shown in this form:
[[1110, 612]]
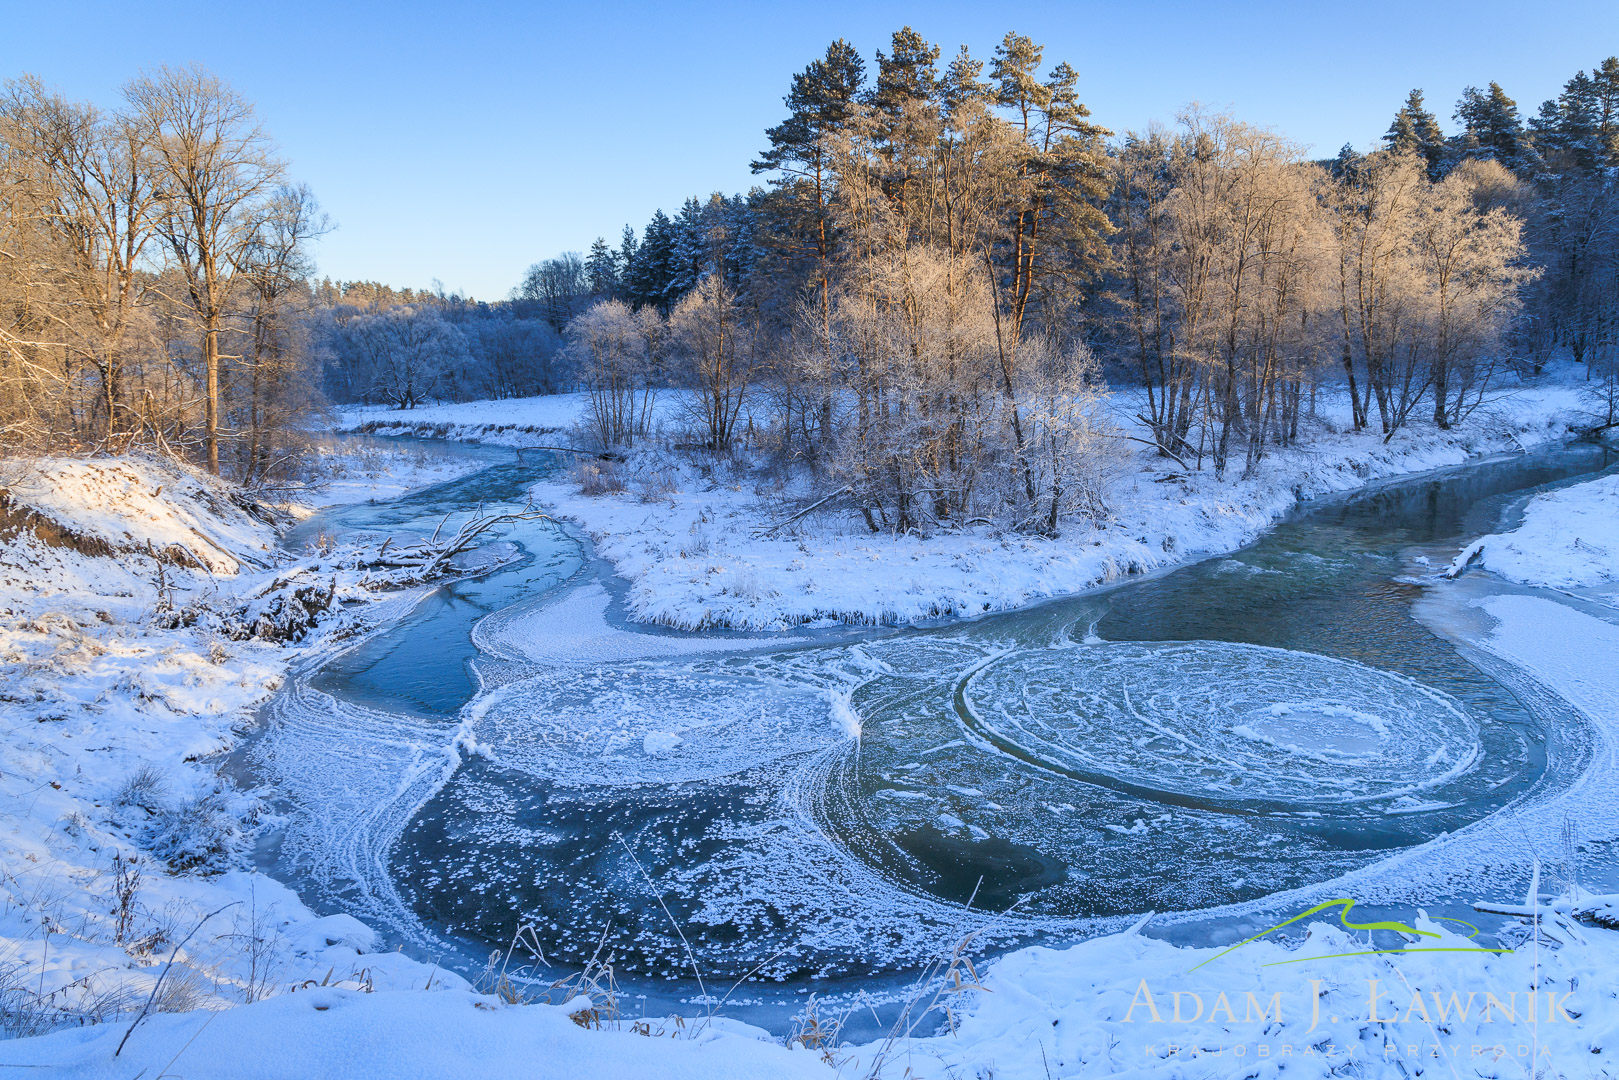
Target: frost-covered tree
[[602, 270], [717, 340], [608, 347], [558, 287], [1469, 255], [652, 269], [409, 353]]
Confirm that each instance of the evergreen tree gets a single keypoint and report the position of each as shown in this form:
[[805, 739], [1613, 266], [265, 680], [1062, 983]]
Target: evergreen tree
[[910, 73], [1491, 128], [820, 102], [654, 266], [742, 246], [601, 270], [626, 256], [1565, 129], [1606, 107], [1345, 165], [963, 82], [1415, 130], [1015, 75], [699, 240]]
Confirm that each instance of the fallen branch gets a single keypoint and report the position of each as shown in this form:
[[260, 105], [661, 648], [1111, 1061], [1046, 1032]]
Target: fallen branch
[[601, 455], [846, 490], [1160, 447]]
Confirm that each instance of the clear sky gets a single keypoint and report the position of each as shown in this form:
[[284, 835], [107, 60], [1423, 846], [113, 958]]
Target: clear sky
[[463, 142]]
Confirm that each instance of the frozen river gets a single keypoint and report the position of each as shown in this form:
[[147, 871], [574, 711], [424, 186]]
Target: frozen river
[[816, 809]]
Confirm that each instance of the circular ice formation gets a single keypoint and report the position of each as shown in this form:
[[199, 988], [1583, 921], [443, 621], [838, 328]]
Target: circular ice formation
[[631, 724], [1222, 724]]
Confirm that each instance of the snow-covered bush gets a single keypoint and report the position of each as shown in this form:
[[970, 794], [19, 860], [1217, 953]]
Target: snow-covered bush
[[203, 834], [145, 789]]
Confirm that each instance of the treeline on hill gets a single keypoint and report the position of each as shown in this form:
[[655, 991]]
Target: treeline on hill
[[948, 256], [156, 291], [923, 303]]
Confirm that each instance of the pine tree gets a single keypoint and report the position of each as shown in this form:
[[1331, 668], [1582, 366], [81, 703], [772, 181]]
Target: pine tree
[[692, 251], [1015, 74], [654, 268], [1606, 107], [626, 255], [601, 270], [741, 232], [1565, 130], [962, 82], [1491, 128], [1349, 160], [1415, 130], [910, 73], [820, 101]]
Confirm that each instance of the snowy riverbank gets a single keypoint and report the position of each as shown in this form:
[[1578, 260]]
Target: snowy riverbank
[[116, 696], [123, 877], [691, 537], [1568, 539]]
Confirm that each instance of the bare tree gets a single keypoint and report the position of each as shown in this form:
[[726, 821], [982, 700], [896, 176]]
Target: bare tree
[[407, 351], [559, 287], [609, 348], [1469, 250], [217, 177], [715, 337], [93, 190], [277, 358]]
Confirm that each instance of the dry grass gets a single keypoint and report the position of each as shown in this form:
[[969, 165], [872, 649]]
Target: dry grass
[[597, 478]]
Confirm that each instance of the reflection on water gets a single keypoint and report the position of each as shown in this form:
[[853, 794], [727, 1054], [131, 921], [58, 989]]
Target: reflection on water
[[825, 810]]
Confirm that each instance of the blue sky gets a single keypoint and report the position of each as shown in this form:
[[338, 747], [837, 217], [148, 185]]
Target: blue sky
[[464, 141]]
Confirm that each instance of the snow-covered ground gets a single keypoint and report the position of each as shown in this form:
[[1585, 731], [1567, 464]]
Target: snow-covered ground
[[121, 848], [1326, 1006], [111, 709], [352, 471], [510, 422], [1568, 539]]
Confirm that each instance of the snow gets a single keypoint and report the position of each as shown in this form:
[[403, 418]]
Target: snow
[[506, 422], [1108, 1007], [687, 535], [373, 471], [120, 504], [1568, 539], [340, 1032], [111, 723]]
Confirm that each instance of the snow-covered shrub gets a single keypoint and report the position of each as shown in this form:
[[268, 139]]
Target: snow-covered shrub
[[145, 788], [657, 484], [199, 834], [748, 585], [1070, 448]]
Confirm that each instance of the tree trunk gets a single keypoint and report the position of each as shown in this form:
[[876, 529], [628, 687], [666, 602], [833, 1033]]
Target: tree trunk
[[210, 356]]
